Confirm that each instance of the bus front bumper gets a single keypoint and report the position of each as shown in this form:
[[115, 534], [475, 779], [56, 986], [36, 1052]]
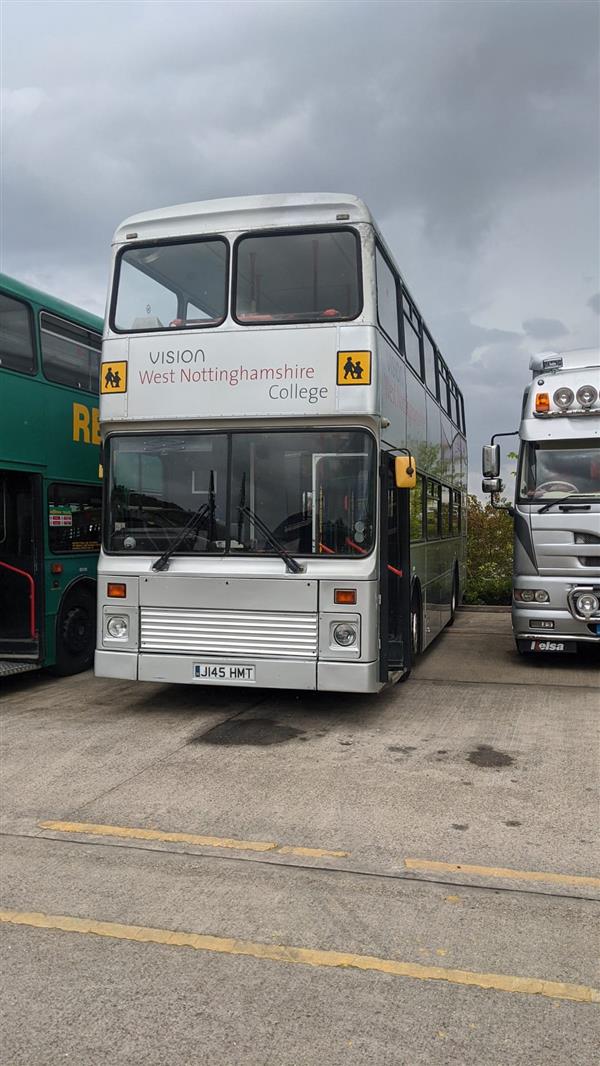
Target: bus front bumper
[[309, 675]]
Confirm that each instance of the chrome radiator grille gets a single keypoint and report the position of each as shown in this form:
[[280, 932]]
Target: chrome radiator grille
[[266, 634]]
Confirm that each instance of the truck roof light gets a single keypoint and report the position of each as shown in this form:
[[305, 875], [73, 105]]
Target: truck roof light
[[587, 395], [542, 403], [563, 397]]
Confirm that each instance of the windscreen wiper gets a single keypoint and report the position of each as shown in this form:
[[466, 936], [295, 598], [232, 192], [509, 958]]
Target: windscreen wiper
[[163, 562], [292, 565], [563, 499]]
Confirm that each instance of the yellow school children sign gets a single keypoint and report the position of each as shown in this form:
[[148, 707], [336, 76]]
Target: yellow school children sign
[[354, 368], [113, 377]]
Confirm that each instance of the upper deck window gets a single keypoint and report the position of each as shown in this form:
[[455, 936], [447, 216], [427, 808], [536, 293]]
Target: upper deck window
[[70, 354], [297, 277], [387, 298], [182, 285], [16, 339]]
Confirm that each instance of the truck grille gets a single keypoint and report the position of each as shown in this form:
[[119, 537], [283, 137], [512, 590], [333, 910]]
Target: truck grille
[[260, 634]]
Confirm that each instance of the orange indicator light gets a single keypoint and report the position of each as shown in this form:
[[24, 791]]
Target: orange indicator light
[[542, 403], [116, 590], [347, 596]]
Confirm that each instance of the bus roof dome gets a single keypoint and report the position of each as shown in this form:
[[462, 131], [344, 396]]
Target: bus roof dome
[[238, 213]]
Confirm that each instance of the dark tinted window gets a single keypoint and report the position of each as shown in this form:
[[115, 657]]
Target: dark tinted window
[[387, 298], [433, 509], [455, 404], [74, 514], [417, 510], [297, 277], [456, 512], [412, 346], [445, 517], [444, 393], [16, 338], [70, 354], [429, 358]]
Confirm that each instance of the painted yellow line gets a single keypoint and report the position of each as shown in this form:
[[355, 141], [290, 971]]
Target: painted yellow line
[[134, 833], [302, 956], [429, 865]]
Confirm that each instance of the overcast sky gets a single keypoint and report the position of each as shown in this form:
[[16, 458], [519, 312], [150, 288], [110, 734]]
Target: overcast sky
[[470, 129]]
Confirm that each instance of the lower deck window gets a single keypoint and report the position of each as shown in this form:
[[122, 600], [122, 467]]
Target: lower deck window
[[74, 518]]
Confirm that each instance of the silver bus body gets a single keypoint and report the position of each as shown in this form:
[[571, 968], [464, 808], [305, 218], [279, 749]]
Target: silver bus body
[[245, 619]]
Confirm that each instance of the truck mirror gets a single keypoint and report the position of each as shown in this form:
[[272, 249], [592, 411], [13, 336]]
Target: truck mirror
[[490, 461], [405, 472], [492, 484]]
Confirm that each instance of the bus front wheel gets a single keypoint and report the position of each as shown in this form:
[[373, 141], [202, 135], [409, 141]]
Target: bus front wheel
[[75, 633]]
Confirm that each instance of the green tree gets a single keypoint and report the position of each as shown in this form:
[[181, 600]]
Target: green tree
[[489, 554]]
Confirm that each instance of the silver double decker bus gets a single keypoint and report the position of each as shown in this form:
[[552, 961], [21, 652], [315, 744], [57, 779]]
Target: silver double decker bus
[[284, 452]]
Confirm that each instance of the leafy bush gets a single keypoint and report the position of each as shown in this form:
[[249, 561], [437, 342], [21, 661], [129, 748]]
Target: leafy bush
[[489, 554]]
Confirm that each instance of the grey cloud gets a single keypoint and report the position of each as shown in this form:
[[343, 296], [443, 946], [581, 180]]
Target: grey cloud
[[594, 302], [446, 108], [544, 328]]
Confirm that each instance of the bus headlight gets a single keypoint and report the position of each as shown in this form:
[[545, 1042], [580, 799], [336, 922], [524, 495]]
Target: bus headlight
[[586, 603], [118, 627], [345, 634]]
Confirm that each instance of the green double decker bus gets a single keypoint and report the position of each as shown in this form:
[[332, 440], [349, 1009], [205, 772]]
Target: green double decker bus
[[50, 493]]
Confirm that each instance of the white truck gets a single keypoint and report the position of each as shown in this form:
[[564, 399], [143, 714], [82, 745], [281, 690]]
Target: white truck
[[556, 573]]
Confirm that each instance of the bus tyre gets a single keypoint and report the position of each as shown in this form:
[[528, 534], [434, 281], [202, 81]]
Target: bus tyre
[[453, 599], [416, 625], [522, 647], [415, 631], [75, 632]]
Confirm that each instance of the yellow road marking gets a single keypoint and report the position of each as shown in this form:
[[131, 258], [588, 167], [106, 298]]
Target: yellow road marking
[[133, 833], [499, 871], [303, 956]]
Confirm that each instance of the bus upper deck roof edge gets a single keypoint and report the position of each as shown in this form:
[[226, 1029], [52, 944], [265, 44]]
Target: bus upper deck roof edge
[[231, 213], [53, 304]]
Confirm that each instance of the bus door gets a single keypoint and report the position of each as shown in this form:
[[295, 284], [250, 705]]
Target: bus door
[[394, 576], [20, 556]]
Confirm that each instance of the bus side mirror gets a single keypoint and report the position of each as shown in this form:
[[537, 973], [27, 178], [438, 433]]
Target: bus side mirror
[[405, 472], [490, 462], [492, 484]]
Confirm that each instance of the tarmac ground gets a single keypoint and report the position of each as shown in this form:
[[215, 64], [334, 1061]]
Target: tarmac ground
[[230, 876]]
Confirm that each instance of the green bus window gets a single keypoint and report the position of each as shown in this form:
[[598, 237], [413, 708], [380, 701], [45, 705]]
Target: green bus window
[[433, 509], [74, 515], [417, 509], [445, 511], [70, 354], [2, 510], [387, 298], [16, 338]]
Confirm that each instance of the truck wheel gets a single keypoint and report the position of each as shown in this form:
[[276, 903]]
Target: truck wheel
[[75, 633]]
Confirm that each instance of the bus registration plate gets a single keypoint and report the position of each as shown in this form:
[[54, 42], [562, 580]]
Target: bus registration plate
[[225, 673]]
